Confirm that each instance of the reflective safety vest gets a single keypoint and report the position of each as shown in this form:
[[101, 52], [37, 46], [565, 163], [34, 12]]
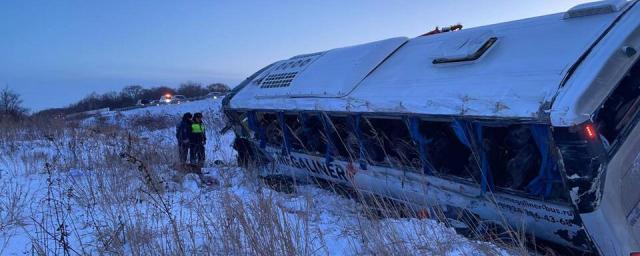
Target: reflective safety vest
[[197, 128]]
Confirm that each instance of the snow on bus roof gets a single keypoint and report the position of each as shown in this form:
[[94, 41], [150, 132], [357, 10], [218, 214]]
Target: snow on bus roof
[[510, 70]]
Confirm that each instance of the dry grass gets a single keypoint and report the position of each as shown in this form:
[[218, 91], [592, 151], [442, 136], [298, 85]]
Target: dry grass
[[151, 122], [110, 191]]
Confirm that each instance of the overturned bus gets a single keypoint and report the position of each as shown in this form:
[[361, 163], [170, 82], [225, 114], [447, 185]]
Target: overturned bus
[[532, 123]]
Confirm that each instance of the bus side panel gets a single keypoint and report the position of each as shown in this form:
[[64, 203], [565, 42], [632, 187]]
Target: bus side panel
[[615, 225], [546, 220]]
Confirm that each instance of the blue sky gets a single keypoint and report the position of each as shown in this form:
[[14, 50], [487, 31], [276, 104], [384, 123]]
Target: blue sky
[[55, 52]]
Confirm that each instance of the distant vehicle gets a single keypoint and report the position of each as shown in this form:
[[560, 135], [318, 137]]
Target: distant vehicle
[[165, 99], [172, 99], [531, 125], [177, 99], [216, 95], [143, 102]]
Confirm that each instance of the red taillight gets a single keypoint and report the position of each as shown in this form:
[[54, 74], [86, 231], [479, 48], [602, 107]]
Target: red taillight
[[634, 254], [590, 132]]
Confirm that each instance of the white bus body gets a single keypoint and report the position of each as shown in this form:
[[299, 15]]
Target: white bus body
[[558, 95]]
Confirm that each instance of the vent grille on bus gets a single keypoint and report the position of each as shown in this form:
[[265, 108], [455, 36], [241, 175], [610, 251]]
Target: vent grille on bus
[[278, 80], [309, 55], [283, 73]]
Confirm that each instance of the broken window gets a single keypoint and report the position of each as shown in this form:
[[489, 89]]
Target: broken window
[[240, 121], [257, 132], [513, 156], [388, 142], [271, 127], [621, 108], [343, 138], [446, 153], [240, 118], [293, 124], [373, 144], [314, 139]]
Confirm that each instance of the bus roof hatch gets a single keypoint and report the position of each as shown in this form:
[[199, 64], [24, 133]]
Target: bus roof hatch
[[595, 8]]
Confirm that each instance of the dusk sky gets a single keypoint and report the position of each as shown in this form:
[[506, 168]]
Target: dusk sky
[[56, 52]]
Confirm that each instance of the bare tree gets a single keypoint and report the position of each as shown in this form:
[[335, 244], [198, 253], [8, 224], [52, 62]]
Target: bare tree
[[133, 91], [11, 104], [191, 89]]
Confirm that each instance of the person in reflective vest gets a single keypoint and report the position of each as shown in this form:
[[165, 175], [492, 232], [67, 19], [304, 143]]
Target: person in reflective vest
[[182, 135], [197, 140]]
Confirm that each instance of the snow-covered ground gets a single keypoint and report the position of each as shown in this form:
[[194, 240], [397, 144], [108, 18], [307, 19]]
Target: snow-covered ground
[[108, 187]]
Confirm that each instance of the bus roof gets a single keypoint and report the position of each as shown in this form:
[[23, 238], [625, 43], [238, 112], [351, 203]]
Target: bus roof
[[508, 70]]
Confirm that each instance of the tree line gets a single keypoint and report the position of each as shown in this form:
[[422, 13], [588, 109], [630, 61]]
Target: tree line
[[11, 104], [129, 96]]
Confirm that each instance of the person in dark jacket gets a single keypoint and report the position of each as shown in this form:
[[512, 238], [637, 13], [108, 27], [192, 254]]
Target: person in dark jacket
[[197, 140], [182, 135]]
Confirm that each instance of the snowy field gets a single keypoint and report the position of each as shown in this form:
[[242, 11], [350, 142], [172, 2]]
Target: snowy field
[[106, 186]]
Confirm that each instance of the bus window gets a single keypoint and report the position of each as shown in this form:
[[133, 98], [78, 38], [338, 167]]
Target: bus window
[[343, 138], [621, 108], [513, 156], [271, 126], [448, 155], [243, 120], [314, 137], [395, 147], [294, 126], [373, 144], [239, 118]]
